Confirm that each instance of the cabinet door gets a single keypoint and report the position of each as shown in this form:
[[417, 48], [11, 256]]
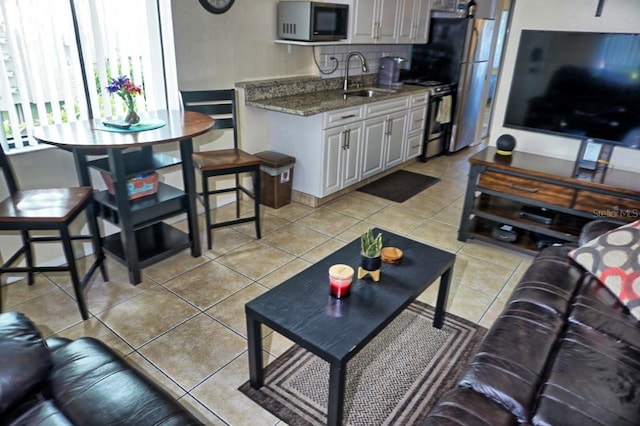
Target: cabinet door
[[406, 21], [396, 133], [421, 21], [332, 152], [372, 145], [351, 155], [413, 145], [417, 117], [363, 21], [387, 21], [415, 131]]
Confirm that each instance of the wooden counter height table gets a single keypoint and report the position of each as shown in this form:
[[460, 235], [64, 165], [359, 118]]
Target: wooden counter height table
[[144, 238]]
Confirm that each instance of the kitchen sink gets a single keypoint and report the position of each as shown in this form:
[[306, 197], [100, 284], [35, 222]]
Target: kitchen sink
[[368, 92]]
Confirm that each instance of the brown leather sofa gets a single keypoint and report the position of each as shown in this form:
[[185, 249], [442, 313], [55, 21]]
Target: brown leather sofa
[[83, 382], [564, 351]]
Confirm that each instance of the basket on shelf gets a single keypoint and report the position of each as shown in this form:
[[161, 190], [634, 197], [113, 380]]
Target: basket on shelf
[[137, 187]]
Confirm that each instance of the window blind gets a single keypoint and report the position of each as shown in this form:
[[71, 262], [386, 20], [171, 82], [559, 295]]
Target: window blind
[[42, 61]]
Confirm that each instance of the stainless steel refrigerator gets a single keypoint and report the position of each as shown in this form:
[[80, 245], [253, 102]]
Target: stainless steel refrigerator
[[458, 53]]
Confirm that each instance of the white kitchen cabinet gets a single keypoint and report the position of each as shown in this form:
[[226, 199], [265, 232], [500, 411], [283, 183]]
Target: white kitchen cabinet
[[374, 21], [416, 125], [373, 146], [385, 129], [341, 157], [413, 145], [337, 149], [383, 145], [395, 138], [413, 21]]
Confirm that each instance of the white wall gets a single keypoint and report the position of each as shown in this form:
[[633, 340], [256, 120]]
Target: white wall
[[216, 51], [573, 15]]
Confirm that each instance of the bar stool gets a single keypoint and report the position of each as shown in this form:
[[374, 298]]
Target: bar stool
[[221, 105], [52, 209]]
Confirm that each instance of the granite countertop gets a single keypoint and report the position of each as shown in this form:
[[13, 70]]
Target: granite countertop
[[306, 104]]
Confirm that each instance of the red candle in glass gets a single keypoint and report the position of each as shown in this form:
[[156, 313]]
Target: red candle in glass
[[340, 277]]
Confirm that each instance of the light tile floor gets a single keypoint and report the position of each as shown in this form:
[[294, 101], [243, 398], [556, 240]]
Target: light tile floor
[[184, 325]]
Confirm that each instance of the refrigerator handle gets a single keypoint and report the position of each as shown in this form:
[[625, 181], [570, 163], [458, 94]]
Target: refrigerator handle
[[474, 39], [465, 80]]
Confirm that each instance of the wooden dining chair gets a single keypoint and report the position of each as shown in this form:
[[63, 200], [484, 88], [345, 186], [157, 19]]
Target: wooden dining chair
[[221, 105], [41, 211]]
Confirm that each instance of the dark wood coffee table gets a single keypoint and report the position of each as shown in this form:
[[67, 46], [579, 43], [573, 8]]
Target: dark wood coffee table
[[302, 310]]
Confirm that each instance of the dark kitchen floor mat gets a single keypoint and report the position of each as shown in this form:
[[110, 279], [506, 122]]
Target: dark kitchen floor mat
[[399, 186]]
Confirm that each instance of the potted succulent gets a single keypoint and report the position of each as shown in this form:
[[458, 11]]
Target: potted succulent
[[370, 260]]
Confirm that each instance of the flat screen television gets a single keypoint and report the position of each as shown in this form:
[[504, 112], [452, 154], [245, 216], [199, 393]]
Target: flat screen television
[[581, 85]]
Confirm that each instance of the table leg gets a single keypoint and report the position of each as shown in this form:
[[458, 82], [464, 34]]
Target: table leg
[[127, 234], [443, 294], [82, 167], [464, 231], [189, 182], [337, 379], [254, 341]]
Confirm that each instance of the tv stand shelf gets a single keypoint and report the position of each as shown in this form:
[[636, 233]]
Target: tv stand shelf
[[500, 186]]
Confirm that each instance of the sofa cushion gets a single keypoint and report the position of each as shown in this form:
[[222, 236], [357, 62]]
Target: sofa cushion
[[597, 308], [93, 385], [510, 363], [25, 359], [550, 282], [464, 407], [614, 258], [594, 380]]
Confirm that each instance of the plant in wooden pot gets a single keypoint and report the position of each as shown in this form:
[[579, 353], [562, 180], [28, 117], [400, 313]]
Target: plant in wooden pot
[[370, 260]]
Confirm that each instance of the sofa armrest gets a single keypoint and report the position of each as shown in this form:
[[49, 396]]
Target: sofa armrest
[[25, 359], [55, 342], [594, 229], [93, 385]]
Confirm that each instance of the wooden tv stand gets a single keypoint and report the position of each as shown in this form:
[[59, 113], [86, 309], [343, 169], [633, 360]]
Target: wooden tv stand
[[499, 186]]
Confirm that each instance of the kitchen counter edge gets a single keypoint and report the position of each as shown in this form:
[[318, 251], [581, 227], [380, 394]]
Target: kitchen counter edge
[[308, 104]]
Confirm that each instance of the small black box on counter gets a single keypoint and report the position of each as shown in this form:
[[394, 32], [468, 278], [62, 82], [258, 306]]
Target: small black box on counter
[[504, 233]]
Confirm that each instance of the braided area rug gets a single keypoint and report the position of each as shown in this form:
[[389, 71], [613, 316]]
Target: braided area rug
[[395, 380]]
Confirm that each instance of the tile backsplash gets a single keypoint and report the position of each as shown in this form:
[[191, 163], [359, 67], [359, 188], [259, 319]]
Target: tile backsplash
[[371, 52]]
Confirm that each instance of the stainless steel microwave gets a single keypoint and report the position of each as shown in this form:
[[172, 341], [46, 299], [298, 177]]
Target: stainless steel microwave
[[312, 21]]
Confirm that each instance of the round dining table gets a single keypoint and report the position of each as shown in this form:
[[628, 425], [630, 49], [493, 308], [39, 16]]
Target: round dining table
[[123, 154]]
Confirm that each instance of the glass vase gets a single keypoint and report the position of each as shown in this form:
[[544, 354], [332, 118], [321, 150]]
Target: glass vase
[[132, 116]]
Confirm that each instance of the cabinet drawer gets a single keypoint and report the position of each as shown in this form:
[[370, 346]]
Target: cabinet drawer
[[527, 188], [343, 116], [417, 117], [419, 99], [607, 205], [386, 107]]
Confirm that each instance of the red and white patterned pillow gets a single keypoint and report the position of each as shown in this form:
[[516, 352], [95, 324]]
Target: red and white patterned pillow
[[614, 258]]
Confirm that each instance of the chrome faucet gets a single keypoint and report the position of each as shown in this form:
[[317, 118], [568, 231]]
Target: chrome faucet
[[345, 85]]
